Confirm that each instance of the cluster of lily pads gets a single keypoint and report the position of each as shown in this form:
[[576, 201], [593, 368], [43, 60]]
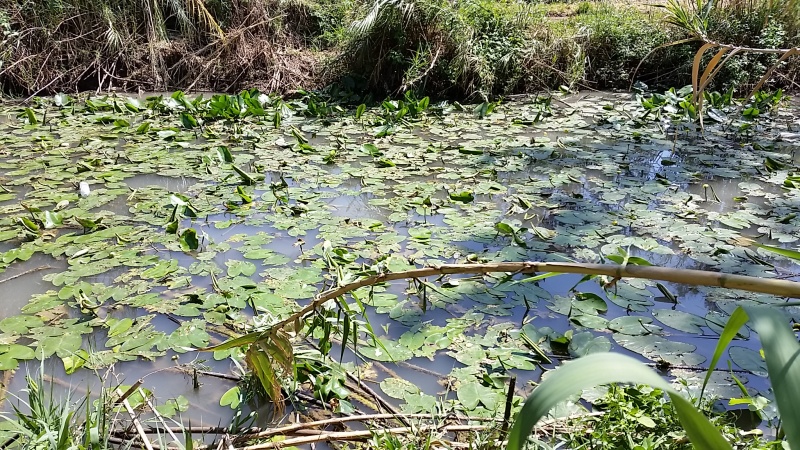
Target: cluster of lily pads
[[217, 213]]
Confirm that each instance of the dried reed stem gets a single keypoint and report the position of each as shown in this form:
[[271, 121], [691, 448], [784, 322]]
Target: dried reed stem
[[783, 288]]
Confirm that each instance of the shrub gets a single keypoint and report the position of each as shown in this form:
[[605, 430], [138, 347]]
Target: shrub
[[617, 41], [473, 46]]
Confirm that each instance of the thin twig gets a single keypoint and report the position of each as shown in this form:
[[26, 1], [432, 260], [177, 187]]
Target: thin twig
[[288, 429], [358, 435], [378, 398], [201, 429], [124, 396], [158, 416], [420, 369], [136, 423], [27, 272]]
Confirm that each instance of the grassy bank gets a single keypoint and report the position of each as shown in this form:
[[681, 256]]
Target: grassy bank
[[466, 48]]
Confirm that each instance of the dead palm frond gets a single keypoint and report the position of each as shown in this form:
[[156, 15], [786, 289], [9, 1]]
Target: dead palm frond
[[693, 18], [198, 9]]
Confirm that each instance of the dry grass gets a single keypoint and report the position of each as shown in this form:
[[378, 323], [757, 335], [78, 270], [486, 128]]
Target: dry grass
[[83, 47]]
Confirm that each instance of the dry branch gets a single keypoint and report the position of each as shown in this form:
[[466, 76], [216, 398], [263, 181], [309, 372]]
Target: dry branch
[[158, 416], [358, 435], [289, 429], [27, 272], [783, 288], [136, 423]]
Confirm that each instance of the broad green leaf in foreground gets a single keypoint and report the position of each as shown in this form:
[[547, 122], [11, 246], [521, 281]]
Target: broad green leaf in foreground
[[604, 368], [781, 352]]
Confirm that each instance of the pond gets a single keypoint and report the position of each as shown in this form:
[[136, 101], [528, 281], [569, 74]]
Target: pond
[[191, 233]]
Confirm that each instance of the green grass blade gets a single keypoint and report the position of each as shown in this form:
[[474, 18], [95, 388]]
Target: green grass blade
[[240, 341], [782, 353], [735, 323], [792, 254], [605, 368], [539, 277]]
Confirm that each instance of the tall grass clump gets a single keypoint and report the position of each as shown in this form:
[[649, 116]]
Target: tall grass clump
[[44, 421], [617, 39], [445, 48]]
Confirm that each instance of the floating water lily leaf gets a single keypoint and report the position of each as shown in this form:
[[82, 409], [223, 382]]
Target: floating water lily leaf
[[589, 302], [189, 240], [231, 397], [633, 325], [75, 361], [389, 351], [19, 325], [680, 320], [420, 234], [749, 360], [463, 197], [589, 321], [236, 268], [10, 354], [371, 150], [161, 269], [586, 343], [659, 348], [173, 406], [398, 388], [472, 393]]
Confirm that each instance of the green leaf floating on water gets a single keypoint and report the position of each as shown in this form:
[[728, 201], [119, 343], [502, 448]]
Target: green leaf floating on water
[[10, 354], [231, 397], [75, 361], [680, 320], [161, 269], [463, 197], [658, 348], [189, 240]]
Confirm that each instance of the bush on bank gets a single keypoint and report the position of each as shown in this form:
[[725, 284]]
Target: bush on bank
[[444, 48]]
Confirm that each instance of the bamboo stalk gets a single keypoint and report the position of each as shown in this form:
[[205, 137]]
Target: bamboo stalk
[[783, 288]]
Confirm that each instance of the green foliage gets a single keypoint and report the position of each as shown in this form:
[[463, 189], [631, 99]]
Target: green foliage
[[780, 349], [635, 417], [461, 48], [43, 421], [619, 38]]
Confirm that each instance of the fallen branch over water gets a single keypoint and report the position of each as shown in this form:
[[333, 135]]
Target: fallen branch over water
[[359, 435], [783, 288], [289, 429]]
